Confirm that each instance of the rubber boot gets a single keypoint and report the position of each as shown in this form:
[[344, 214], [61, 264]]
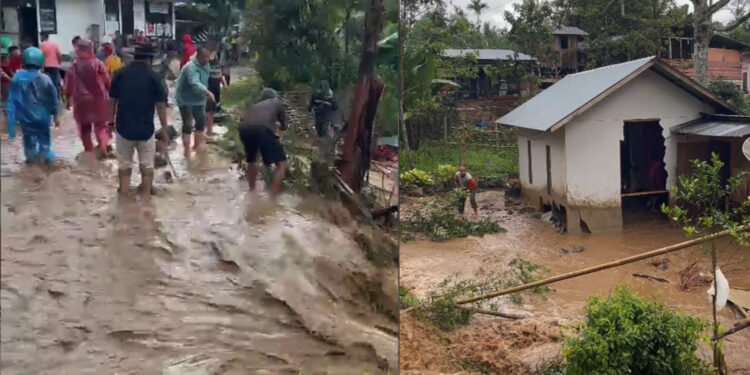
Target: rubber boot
[[147, 182], [124, 180]]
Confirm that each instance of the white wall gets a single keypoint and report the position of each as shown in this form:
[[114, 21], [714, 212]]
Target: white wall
[[74, 18], [593, 140], [538, 187]]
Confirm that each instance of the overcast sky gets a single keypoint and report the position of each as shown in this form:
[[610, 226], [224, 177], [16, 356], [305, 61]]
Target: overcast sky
[[494, 14]]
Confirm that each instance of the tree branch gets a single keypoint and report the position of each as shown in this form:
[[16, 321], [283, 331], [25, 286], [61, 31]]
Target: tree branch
[[717, 6], [734, 24]]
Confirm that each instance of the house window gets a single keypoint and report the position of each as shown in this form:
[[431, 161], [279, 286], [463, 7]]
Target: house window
[[549, 171], [528, 148], [563, 42]]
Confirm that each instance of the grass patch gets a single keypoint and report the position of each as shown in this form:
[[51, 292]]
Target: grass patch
[[406, 299], [246, 90], [439, 307], [489, 166], [439, 220]]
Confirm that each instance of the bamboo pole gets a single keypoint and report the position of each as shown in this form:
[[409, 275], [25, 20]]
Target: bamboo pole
[[742, 324], [585, 271], [495, 313], [643, 193]]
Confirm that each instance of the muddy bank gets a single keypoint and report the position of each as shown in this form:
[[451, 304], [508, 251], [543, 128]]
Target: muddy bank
[[425, 263], [205, 279]]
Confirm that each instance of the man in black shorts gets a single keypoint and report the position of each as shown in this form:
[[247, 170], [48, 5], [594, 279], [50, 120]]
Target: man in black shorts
[[258, 133]]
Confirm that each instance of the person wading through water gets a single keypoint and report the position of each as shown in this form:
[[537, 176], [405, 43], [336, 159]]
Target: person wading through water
[[465, 180], [215, 83], [86, 86], [191, 94], [136, 91], [52, 59], [258, 133], [33, 102]]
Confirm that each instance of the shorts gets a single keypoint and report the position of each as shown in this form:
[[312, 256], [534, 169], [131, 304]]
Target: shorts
[[193, 116], [261, 138], [472, 200], [126, 148]]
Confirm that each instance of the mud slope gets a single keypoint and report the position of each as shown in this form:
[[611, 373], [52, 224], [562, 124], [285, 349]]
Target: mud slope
[[204, 279]]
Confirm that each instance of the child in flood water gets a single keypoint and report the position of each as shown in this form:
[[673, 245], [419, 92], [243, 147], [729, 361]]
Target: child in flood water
[[33, 103]]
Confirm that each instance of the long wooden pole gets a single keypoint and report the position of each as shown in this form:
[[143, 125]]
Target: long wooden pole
[[585, 271]]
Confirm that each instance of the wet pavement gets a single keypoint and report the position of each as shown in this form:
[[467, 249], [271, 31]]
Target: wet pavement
[[424, 264], [204, 278]]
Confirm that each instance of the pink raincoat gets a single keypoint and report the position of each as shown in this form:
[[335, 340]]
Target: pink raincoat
[[86, 87], [87, 83]]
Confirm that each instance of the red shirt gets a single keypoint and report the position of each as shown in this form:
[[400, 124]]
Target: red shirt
[[15, 63]]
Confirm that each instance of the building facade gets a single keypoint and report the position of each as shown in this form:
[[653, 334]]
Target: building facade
[[23, 20]]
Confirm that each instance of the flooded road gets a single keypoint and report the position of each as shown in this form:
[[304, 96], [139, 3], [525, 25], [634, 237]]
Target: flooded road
[[206, 278], [426, 263]]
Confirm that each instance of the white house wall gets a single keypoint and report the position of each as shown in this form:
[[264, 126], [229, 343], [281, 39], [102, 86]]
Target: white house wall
[[74, 18], [592, 143], [533, 190]]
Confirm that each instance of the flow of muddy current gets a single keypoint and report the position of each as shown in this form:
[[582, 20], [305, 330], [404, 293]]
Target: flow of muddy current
[[204, 278], [424, 264]]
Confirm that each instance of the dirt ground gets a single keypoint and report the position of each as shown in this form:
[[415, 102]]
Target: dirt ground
[[205, 278], [424, 264]]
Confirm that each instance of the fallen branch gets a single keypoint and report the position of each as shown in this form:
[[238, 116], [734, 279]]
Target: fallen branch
[[742, 324], [495, 313], [649, 277], [628, 260]]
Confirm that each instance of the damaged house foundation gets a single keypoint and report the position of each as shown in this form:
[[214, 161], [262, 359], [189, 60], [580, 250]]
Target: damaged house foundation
[[603, 141]]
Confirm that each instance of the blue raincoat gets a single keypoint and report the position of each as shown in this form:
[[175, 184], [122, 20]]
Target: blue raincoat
[[32, 102]]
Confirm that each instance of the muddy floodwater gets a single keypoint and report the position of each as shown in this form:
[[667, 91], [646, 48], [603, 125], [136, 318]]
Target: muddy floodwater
[[424, 264], [205, 278]]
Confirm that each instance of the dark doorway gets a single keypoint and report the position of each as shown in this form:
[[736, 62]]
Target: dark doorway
[[724, 150], [642, 157], [28, 26], [126, 7]]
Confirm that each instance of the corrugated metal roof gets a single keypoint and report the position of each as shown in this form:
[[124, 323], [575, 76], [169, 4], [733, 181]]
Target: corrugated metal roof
[[715, 128], [568, 95], [488, 54], [569, 30]]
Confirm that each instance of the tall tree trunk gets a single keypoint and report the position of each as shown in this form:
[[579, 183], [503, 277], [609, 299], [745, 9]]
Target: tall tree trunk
[[401, 120], [701, 38]]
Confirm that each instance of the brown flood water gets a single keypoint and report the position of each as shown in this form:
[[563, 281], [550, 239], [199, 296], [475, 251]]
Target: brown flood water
[[424, 264], [205, 278]]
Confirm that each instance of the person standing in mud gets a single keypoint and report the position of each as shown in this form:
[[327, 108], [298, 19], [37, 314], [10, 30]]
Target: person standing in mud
[[258, 132], [136, 91], [323, 105], [33, 102], [191, 94], [464, 180], [52, 59], [86, 86], [215, 83]]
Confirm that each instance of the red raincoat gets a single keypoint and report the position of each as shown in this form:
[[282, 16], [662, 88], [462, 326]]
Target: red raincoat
[[189, 51], [87, 83]]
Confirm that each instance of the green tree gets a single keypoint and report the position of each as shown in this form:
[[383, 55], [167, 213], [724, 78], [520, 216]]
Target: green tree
[[704, 29], [703, 207], [531, 31]]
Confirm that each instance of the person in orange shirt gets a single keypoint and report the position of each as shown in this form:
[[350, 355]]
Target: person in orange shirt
[[465, 180], [111, 60], [52, 58]]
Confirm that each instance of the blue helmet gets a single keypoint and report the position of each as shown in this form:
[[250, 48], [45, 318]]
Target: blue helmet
[[33, 57]]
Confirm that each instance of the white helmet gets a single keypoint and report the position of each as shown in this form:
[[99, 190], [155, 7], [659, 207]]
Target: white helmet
[[106, 39], [746, 148]]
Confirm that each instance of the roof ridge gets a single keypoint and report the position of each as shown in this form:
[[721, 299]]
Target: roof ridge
[[612, 66]]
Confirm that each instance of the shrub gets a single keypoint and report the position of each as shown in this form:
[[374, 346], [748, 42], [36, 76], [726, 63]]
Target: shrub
[[444, 174], [415, 178], [731, 93], [625, 334]]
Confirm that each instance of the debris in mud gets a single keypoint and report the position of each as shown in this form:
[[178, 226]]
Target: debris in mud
[[690, 277], [55, 294], [649, 277], [223, 255], [660, 263], [574, 249]]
